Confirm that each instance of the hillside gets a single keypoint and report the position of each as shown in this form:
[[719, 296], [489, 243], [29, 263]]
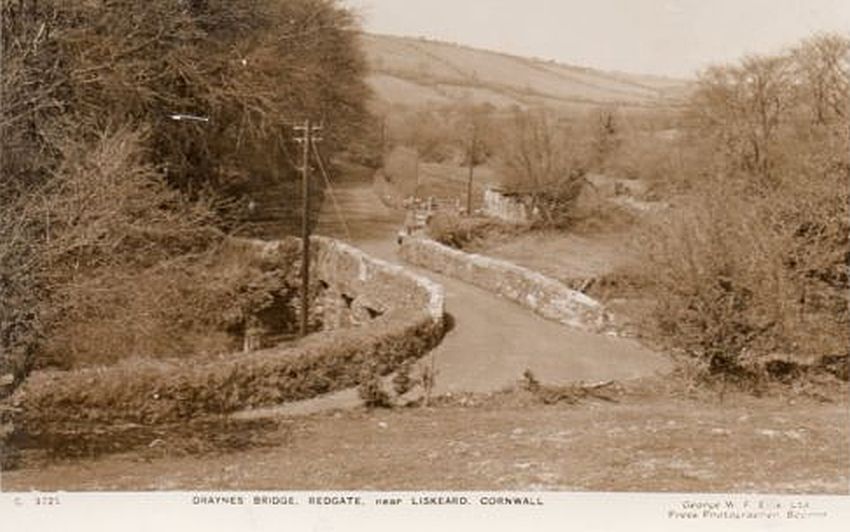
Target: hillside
[[411, 72]]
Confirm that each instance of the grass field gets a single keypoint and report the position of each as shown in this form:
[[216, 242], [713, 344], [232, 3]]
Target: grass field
[[413, 72]]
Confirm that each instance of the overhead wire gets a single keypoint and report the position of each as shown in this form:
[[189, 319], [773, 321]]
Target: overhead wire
[[337, 208]]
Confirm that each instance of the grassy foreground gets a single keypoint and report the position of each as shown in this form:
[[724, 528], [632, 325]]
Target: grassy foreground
[[653, 436]]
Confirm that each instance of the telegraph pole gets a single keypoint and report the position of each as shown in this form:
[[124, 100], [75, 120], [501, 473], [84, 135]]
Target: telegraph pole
[[307, 139], [471, 155], [416, 173]]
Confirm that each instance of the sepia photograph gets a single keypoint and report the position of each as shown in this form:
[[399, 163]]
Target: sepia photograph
[[427, 254]]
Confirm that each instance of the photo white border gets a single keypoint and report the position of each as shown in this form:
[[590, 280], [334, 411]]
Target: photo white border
[[162, 511]]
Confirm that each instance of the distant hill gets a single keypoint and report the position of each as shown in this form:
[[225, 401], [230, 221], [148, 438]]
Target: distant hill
[[412, 72]]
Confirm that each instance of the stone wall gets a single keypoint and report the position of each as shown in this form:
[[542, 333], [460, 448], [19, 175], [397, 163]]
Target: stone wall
[[505, 207], [348, 287], [359, 287], [543, 295]]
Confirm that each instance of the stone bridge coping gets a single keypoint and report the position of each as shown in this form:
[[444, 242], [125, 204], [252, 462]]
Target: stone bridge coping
[[544, 295], [436, 303], [436, 293], [538, 278]]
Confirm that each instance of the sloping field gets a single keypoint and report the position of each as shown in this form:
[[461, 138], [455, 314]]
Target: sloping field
[[407, 71]]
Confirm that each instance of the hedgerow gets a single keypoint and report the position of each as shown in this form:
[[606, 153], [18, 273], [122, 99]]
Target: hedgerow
[[152, 392]]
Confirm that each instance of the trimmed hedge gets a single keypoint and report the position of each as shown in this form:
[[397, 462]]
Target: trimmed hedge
[[154, 392]]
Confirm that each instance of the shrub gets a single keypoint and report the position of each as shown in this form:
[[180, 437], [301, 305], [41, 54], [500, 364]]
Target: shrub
[[648, 157], [402, 381], [743, 277], [594, 215], [401, 167], [371, 391], [178, 308], [129, 266], [444, 134], [718, 278], [428, 133], [459, 231]]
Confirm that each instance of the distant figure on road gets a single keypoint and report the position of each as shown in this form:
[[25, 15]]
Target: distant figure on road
[[409, 225]]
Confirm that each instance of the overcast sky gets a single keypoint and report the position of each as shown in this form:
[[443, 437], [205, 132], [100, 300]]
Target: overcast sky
[[668, 37]]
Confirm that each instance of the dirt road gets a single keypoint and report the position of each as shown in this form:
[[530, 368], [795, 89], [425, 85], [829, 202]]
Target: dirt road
[[492, 340]]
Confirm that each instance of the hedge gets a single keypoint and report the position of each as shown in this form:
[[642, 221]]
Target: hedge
[[154, 392]]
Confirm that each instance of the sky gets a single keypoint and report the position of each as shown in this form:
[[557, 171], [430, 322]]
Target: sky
[[664, 37]]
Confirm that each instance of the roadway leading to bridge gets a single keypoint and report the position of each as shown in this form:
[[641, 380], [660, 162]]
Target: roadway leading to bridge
[[493, 340]]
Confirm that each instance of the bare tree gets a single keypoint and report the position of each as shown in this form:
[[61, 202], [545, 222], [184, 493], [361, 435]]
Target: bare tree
[[606, 138], [744, 107], [541, 161], [822, 65]]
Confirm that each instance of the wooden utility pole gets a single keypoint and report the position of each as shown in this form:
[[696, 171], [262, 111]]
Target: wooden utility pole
[[383, 134], [305, 228], [307, 139], [471, 157], [416, 173]]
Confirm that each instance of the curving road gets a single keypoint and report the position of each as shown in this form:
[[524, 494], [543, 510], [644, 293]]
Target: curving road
[[493, 341]]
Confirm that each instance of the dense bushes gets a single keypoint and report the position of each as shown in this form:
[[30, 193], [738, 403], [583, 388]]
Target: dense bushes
[[753, 263], [76, 69], [109, 209], [750, 264], [103, 243], [444, 133], [401, 168], [184, 306], [404, 312], [428, 132]]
